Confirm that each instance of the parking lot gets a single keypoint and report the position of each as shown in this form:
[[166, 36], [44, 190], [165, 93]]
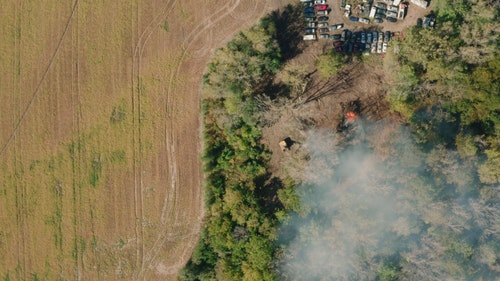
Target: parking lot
[[349, 31]]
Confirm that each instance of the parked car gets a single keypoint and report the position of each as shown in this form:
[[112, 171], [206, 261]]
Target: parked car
[[323, 18], [309, 19], [310, 30], [318, 2], [384, 47], [379, 47], [387, 36], [321, 7], [380, 37], [374, 47], [356, 36], [375, 36], [390, 19], [324, 36], [355, 48], [337, 44], [349, 47], [354, 19], [309, 15], [324, 30], [322, 13], [378, 20], [311, 24], [381, 5], [391, 14], [309, 37], [369, 37], [308, 4], [336, 26], [309, 10], [346, 35], [335, 36], [419, 22], [363, 37], [393, 8], [364, 20], [342, 4], [323, 24], [380, 15]]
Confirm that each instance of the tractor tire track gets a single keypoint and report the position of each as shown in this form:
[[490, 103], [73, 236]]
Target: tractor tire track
[[170, 205], [137, 134], [19, 189], [39, 85], [172, 197]]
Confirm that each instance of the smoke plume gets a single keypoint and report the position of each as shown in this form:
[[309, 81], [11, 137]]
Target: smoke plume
[[373, 208]]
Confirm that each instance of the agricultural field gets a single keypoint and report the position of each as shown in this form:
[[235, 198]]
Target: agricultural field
[[100, 172]]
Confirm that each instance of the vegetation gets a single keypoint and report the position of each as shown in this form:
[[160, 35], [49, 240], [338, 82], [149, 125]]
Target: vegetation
[[427, 210], [448, 79], [238, 240]]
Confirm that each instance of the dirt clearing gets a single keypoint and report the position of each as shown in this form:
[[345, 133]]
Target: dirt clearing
[[323, 105], [100, 174]]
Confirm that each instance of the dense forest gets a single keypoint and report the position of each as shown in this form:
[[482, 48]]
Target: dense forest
[[410, 201]]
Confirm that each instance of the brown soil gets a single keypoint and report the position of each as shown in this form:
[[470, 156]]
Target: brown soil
[[363, 82]]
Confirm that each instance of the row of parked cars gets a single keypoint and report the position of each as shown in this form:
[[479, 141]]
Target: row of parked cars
[[316, 17], [363, 41]]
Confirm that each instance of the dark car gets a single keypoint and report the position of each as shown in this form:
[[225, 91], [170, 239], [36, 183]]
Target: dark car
[[323, 18], [310, 30], [391, 19], [356, 36], [324, 36], [378, 20], [380, 15], [419, 22], [309, 15], [381, 5], [375, 36], [335, 36], [324, 30], [349, 47], [354, 19], [346, 35], [309, 10], [387, 36]]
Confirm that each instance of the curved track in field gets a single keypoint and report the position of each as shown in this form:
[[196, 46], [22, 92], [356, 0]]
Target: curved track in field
[[57, 99], [182, 209]]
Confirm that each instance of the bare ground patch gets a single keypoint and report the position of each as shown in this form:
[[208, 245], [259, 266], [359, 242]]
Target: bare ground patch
[[323, 105]]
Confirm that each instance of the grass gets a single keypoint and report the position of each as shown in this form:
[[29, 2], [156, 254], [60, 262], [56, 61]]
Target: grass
[[76, 135]]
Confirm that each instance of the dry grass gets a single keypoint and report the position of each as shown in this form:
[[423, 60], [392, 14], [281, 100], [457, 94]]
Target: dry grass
[[99, 134]]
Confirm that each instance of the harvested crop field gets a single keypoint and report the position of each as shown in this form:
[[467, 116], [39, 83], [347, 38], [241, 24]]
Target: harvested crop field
[[100, 174]]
